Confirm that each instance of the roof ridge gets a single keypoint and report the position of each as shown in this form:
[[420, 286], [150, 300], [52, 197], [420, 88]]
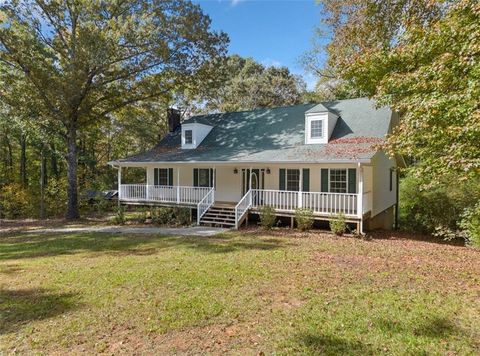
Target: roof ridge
[[253, 110], [277, 107]]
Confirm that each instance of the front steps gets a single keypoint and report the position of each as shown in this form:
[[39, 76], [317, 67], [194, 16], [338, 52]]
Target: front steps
[[219, 216]]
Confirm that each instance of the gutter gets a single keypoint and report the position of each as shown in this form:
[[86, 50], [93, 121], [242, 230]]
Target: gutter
[[116, 164]]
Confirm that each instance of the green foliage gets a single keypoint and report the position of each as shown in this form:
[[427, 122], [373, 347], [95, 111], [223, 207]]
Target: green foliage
[[250, 85], [470, 223], [89, 60], [338, 224], [435, 209], [430, 75], [14, 202], [267, 217], [182, 216], [56, 196], [304, 218], [170, 216], [119, 218]]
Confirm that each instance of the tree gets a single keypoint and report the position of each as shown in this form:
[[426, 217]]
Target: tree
[[432, 77], [83, 60], [351, 28], [249, 85]]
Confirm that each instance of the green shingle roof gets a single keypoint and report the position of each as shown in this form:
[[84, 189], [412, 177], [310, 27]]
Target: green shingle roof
[[277, 135]]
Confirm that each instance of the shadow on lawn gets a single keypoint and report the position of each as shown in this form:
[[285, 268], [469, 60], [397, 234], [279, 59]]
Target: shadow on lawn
[[333, 345], [43, 245], [433, 327], [18, 307]]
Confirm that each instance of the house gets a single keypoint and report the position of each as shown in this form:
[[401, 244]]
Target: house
[[225, 166]]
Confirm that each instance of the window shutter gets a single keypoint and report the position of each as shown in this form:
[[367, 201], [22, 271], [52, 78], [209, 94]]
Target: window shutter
[[195, 177], [281, 183], [352, 180], [324, 180], [211, 177], [170, 176], [306, 180], [155, 176]]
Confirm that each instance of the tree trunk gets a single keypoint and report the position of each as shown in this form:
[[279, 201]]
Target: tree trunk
[[23, 160], [72, 190], [53, 161], [42, 187]]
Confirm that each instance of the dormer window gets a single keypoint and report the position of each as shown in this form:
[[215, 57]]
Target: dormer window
[[319, 125], [188, 137], [316, 129], [193, 133]]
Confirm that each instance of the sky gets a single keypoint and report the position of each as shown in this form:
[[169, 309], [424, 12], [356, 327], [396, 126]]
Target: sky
[[273, 32]]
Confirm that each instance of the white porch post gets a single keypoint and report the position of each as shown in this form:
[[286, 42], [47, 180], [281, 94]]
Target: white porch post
[[213, 181], [300, 189], [147, 187], [119, 179], [250, 184], [178, 185], [360, 197]]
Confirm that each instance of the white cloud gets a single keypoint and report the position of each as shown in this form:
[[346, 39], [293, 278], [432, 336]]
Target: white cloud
[[235, 2], [269, 62]]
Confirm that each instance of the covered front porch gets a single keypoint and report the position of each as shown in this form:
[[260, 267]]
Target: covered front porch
[[326, 190]]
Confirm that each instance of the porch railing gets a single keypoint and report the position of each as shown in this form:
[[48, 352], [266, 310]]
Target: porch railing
[[320, 203], [242, 207], [162, 193], [205, 204]]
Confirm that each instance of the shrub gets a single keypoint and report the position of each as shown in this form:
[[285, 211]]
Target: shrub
[[14, 202], [304, 218], [171, 216], [182, 216], [142, 215], [470, 224], [162, 216], [119, 218], [56, 196], [267, 217], [338, 224], [436, 209]]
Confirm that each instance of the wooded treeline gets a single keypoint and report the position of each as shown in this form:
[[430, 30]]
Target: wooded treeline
[[85, 81]]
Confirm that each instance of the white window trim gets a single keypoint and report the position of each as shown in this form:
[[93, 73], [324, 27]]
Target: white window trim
[[185, 137], [329, 181], [309, 118], [286, 178], [156, 176], [322, 129]]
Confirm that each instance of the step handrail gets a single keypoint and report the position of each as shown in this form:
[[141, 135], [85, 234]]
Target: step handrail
[[242, 207], [205, 204]]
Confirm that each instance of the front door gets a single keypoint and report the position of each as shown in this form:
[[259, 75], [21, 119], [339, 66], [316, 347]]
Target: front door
[[257, 181]]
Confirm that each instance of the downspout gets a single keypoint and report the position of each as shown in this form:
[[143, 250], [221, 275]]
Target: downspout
[[397, 184]]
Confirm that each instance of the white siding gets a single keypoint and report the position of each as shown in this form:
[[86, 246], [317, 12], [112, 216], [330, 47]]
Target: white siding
[[199, 132], [383, 198]]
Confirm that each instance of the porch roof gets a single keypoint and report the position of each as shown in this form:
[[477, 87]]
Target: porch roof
[[277, 135]]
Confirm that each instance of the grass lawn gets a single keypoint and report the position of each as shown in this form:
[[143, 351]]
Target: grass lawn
[[242, 292]]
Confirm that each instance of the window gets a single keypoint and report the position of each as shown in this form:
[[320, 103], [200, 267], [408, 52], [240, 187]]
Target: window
[[163, 176], [203, 177], [316, 129], [338, 180], [188, 137], [293, 179]]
